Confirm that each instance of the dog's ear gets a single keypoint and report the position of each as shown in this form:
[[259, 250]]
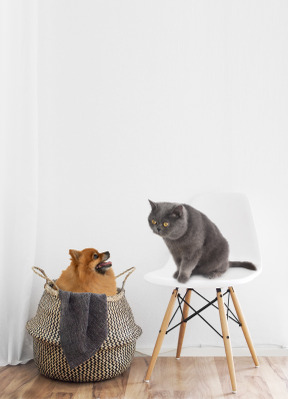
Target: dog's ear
[[74, 254]]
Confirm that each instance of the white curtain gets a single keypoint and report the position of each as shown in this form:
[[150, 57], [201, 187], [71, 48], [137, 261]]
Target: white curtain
[[18, 173]]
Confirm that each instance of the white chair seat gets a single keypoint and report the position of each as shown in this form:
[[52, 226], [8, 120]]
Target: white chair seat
[[233, 276]]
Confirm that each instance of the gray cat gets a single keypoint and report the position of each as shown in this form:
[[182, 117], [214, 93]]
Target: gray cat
[[195, 242]]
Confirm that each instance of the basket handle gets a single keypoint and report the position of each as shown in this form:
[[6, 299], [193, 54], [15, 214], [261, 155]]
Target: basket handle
[[43, 275], [131, 270]]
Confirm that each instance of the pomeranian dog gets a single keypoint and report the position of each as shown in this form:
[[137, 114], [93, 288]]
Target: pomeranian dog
[[88, 272]]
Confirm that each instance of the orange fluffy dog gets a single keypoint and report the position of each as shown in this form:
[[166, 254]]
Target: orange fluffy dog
[[88, 272]]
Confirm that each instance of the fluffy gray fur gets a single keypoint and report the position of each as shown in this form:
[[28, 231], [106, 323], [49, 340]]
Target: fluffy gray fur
[[195, 242]]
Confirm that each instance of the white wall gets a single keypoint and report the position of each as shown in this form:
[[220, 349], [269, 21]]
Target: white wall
[[163, 100]]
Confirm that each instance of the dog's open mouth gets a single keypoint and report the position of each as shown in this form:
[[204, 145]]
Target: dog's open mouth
[[103, 266]]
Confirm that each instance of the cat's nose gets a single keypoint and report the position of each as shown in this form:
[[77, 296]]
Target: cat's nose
[[158, 229]]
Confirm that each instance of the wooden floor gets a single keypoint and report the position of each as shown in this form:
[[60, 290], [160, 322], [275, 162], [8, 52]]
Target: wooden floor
[[192, 378]]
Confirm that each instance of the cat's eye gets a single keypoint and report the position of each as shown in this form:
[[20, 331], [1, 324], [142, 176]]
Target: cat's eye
[[153, 221], [95, 256], [165, 224]]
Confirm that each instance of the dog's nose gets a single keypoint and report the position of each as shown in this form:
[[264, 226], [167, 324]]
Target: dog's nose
[[107, 255]]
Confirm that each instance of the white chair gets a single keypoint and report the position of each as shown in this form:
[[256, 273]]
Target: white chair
[[231, 212]]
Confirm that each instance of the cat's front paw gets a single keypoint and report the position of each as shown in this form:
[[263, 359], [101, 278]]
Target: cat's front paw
[[182, 278], [176, 274]]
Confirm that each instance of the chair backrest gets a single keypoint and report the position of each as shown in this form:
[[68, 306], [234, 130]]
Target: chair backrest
[[231, 212]]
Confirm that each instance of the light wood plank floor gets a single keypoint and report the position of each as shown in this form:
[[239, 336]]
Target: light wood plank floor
[[187, 378]]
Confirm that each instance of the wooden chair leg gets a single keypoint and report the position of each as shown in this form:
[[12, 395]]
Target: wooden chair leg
[[244, 326], [161, 334], [183, 325], [226, 339]]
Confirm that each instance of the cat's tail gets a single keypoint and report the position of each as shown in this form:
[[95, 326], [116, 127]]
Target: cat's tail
[[246, 265]]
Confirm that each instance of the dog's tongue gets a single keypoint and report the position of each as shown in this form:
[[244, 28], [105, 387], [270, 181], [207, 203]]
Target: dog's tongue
[[104, 264]]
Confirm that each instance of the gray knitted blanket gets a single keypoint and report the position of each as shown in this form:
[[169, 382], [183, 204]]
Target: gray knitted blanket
[[83, 325]]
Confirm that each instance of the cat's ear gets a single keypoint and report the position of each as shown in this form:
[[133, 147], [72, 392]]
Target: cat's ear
[[153, 205], [178, 211], [74, 255]]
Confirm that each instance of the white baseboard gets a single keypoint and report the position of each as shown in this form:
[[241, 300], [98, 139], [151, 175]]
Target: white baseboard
[[271, 350]]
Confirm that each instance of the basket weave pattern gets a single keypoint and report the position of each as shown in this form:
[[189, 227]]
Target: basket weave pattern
[[113, 357]]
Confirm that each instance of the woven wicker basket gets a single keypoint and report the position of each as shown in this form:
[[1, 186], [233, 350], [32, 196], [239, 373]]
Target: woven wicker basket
[[113, 357]]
